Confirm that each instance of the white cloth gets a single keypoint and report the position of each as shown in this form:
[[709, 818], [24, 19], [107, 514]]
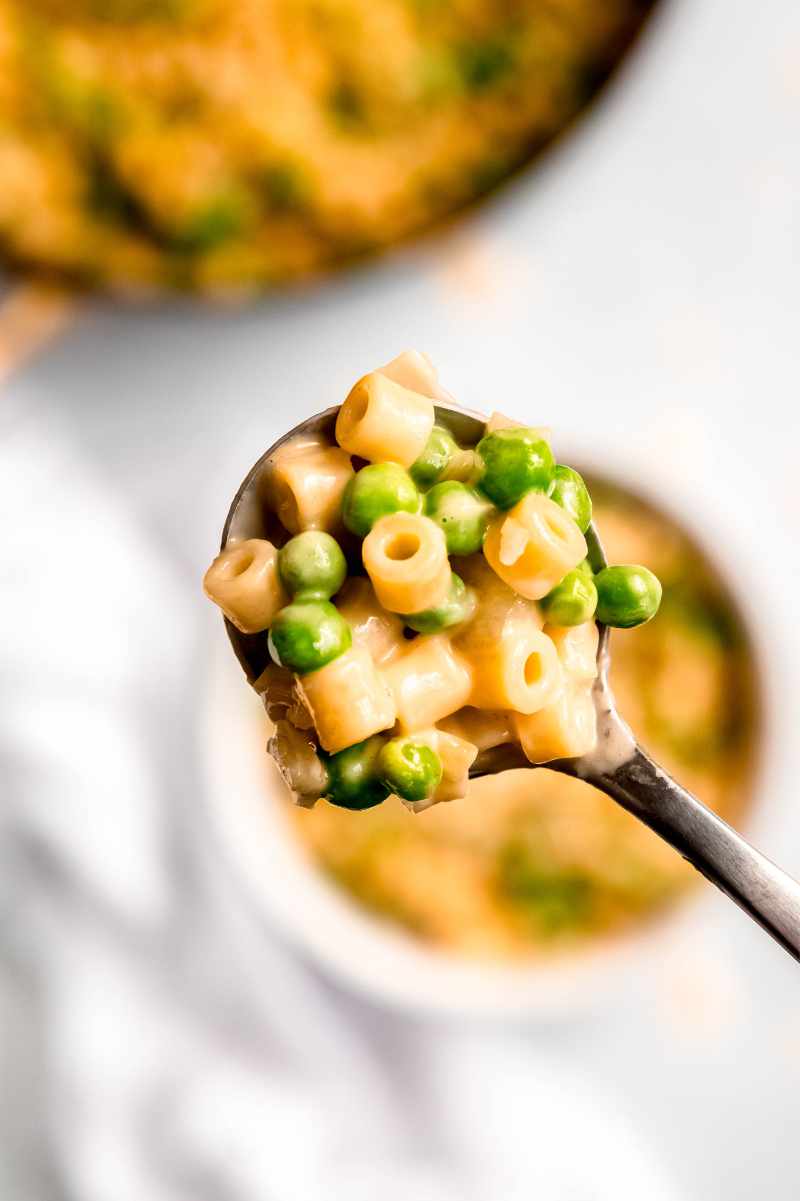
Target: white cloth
[[179, 1052]]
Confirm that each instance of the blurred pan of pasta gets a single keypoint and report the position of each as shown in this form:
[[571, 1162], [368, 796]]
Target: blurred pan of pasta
[[225, 147]]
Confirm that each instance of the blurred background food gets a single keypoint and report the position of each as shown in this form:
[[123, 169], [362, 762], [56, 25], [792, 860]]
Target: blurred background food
[[533, 862], [165, 1033], [223, 145]]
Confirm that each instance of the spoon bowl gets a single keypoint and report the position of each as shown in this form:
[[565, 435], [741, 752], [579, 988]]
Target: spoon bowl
[[617, 766]]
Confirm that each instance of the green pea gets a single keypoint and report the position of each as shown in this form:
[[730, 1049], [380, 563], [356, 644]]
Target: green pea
[[308, 634], [461, 513], [409, 769], [354, 781], [457, 607], [373, 492], [569, 490], [572, 602], [627, 596], [439, 450], [515, 461], [312, 564]]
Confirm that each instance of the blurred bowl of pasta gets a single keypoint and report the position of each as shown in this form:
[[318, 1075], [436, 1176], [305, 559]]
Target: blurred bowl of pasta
[[221, 148], [532, 891]]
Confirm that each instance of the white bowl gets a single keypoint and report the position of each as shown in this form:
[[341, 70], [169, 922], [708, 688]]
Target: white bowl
[[249, 819]]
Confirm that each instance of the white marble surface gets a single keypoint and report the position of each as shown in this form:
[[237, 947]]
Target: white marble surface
[[640, 293]]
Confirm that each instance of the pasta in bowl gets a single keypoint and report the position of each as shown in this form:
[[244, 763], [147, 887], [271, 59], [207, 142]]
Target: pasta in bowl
[[410, 595], [224, 146]]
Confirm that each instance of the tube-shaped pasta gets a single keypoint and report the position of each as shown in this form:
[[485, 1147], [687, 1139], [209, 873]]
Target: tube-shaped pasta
[[280, 696], [484, 728], [305, 482], [298, 762], [513, 664], [406, 558], [577, 649], [384, 422], [499, 421], [457, 756], [534, 545], [243, 580], [564, 729], [495, 598], [415, 371], [348, 700], [379, 632], [374, 628], [428, 682]]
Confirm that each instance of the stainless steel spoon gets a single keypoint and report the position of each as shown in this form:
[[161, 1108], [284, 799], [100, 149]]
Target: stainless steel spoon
[[618, 766]]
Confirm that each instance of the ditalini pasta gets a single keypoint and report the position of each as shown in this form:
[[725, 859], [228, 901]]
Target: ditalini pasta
[[405, 555], [384, 422], [428, 682], [348, 699], [415, 371], [533, 546], [424, 603], [305, 484], [378, 631], [243, 580]]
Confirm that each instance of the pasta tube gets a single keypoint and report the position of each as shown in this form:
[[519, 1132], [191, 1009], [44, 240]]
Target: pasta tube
[[415, 371], [499, 421], [484, 728], [513, 666], [379, 632], [534, 545], [457, 756], [428, 682], [243, 580], [306, 482], [348, 700], [384, 422], [564, 729], [406, 558], [577, 649]]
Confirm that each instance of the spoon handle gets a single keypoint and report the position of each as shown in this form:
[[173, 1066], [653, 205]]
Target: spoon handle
[[769, 895]]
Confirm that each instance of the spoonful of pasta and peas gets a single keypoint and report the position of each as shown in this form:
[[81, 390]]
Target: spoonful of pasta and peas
[[420, 597]]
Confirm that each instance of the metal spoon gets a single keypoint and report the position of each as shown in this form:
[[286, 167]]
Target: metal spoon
[[618, 766]]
